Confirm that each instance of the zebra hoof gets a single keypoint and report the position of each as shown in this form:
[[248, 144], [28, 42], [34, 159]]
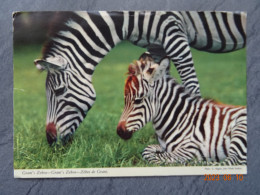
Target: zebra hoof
[[51, 133]]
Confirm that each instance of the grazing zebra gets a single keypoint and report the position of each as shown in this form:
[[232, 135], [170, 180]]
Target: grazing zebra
[[187, 127], [80, 40]]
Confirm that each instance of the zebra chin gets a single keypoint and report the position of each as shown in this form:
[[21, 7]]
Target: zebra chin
[[123, 132]]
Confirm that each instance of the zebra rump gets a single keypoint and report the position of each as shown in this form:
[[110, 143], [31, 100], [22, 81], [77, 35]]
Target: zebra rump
[[188, 127], [78, 41]]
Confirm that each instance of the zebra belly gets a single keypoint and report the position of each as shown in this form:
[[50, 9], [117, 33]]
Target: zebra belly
[[150, 44], [154, 48], [216, 44]]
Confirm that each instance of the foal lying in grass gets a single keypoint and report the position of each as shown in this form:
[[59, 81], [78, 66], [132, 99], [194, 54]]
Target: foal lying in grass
[[187, 126]]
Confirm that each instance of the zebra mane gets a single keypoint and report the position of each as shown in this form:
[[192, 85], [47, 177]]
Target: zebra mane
[[133, 69], [57, 24], [140, 66]]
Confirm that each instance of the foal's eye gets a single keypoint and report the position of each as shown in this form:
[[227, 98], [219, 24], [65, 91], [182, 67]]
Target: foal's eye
[[60, 91], [138, 101]]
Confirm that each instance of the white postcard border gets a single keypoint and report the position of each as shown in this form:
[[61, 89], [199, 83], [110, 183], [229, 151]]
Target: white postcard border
[[128, 172]]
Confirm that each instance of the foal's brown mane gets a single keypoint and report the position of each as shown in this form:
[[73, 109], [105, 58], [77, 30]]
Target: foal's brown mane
[[138, 66], [128, 84], [134, 69]]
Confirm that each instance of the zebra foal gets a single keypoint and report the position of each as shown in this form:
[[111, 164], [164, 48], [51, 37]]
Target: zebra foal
[[187, 127]]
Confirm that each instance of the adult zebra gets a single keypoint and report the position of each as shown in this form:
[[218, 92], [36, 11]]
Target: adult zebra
[[79, 41], [187, 126]]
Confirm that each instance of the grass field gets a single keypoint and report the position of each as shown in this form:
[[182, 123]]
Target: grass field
[[95, 143]]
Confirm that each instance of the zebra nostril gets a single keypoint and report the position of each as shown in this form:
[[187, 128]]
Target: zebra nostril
[[121, 126], [122, 132], [51, 133]]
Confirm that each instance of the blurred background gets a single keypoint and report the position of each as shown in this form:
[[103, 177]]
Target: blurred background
[[31, 27]]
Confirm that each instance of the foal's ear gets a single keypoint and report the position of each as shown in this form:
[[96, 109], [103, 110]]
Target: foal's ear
[[54, 63], [159, 70], [165, 64]]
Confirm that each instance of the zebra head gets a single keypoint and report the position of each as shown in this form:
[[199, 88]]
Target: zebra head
[[69, 97], [138, 94]]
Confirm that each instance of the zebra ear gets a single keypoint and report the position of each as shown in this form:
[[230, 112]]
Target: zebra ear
[[165, 64], [54, 63], [160, 70]]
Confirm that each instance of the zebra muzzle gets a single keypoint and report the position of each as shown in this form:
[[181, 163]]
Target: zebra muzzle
[[51, 133], [123, 132]]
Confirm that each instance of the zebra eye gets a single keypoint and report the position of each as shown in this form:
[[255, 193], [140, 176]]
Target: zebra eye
[[138, 101], [60, 91]]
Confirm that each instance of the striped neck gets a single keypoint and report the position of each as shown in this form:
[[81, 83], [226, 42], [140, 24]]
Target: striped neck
[[169, 98], [84, 38]]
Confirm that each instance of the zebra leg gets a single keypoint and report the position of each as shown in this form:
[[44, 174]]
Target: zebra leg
[[237, 152], [177, 48], [233, 159], [155, 154]]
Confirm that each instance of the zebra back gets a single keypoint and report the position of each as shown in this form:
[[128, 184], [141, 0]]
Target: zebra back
[[216, 31]]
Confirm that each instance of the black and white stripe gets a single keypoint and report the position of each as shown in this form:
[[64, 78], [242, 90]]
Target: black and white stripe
[[80, 40], [216, 31], [187, 127]]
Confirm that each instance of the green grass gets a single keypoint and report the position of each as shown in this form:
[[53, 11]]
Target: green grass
[[95, 143]]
